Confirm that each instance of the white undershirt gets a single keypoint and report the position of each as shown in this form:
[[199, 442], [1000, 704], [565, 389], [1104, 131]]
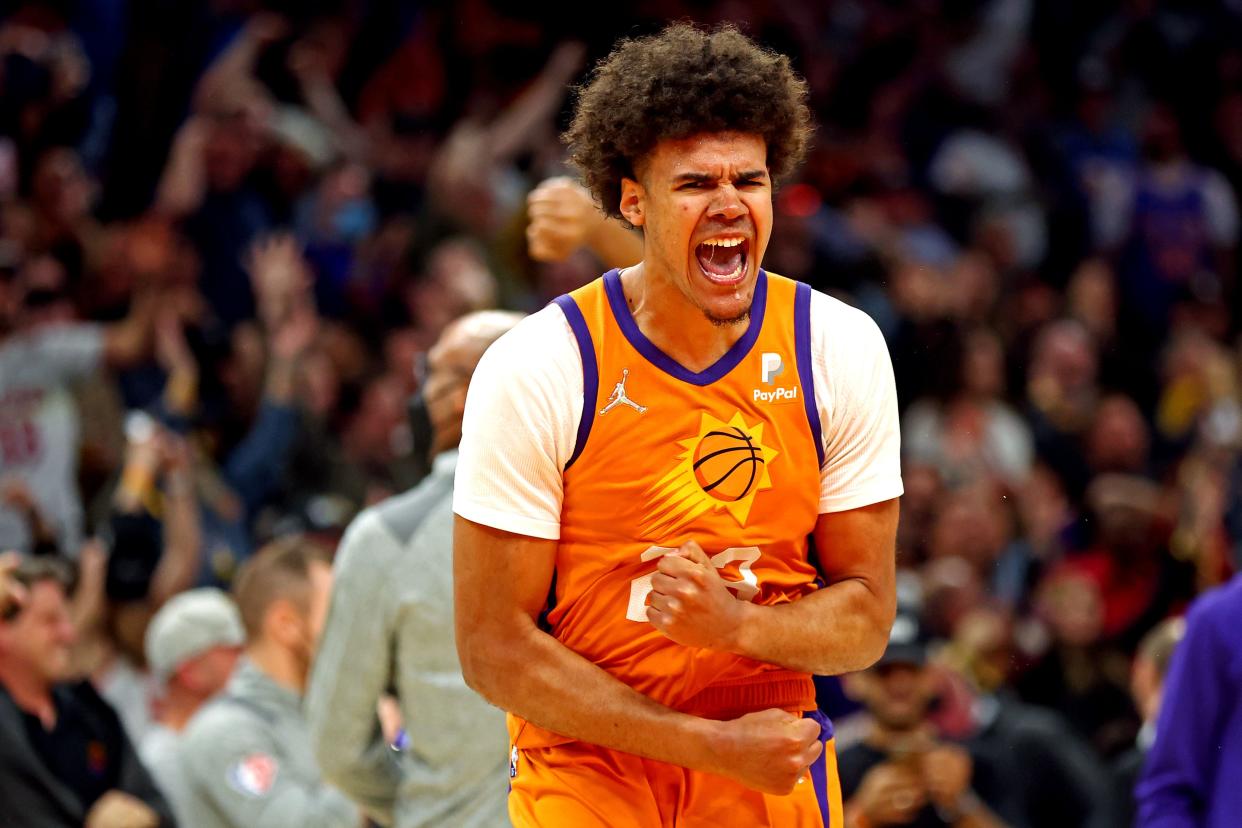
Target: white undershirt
[[525, 402]]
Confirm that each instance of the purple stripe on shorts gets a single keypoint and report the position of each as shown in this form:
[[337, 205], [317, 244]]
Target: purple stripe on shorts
[[819, 770]]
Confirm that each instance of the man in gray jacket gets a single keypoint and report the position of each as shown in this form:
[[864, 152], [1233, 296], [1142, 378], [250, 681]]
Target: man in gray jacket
[[246, 756], [390, 629]]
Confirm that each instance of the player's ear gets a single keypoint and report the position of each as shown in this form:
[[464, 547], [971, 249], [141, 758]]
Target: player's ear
[[632, 201]]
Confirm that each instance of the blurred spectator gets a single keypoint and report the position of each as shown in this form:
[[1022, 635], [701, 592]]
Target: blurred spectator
[[901, 774], [247, 756], [1175, 227], [973, 434], [192, 644], [1151, 664], [38, 422], [451, 767], [66, 758], [1190, 777], [1079, 676], [976, 525], [153, 555], [1053, 775], [1061, 393]]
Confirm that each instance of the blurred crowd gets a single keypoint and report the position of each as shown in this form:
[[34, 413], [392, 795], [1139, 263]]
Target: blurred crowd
[[231, 230]]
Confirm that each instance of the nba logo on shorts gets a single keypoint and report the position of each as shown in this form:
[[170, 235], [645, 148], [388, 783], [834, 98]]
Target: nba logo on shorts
[[770, 367]]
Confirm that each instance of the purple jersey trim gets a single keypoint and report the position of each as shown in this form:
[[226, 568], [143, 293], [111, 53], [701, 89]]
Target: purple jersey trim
[[590, 371], [819, 768], [802, 340], [661, 360]]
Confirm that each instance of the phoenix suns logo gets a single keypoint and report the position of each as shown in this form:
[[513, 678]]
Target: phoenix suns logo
[[720, 468]]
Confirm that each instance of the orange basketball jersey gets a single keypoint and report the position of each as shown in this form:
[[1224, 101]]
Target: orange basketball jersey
[[729, 457]]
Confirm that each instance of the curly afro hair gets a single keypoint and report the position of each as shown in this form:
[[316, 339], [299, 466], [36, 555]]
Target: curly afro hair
[[681, 82]]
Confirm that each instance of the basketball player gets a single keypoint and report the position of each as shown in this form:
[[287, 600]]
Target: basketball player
[[648, 586]]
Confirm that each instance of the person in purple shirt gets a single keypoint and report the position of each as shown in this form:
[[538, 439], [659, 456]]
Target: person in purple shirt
[[1193, 775]]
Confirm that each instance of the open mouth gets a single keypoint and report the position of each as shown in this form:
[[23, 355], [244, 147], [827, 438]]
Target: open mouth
[[723, 260]]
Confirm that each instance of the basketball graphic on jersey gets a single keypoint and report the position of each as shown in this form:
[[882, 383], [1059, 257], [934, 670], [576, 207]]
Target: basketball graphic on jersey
[[721, 467], [727, 463]]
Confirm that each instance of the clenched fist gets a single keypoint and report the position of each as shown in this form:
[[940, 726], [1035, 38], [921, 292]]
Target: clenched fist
[[768, 751], [690, 603], [563, 218]]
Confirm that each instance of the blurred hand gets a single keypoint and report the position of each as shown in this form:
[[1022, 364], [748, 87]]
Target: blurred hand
[[278, 275], [266, 27], [391, 721], [947, 770], [563, 216], [890, 794], [768, 751], [12, 594], [116, 809]]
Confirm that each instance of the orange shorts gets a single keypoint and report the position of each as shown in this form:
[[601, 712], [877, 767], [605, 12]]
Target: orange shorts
[[580, 785]]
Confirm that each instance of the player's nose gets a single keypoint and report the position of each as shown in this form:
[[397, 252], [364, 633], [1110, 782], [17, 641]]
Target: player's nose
[[727, 203]]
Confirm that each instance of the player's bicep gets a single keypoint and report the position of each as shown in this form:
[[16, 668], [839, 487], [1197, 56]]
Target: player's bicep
[[501, 583], [861, 545]]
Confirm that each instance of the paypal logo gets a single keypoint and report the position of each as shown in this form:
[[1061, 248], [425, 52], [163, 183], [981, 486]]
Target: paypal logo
[[770, 367]]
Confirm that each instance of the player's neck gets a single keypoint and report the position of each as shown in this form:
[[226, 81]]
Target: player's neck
[[673, 323]]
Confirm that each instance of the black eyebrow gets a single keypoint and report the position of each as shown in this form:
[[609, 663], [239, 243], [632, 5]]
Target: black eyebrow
[[707, 178], [698, 178]]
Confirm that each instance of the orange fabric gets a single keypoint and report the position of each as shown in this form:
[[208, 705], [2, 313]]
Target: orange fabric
[[578, 785], [634, 491]]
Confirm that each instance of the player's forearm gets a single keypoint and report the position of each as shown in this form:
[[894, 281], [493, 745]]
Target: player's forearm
[[838, 629], [534, 676]]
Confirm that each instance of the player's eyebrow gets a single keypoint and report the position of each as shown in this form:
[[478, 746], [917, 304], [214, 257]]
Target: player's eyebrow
[[696, 178], [707, 178]]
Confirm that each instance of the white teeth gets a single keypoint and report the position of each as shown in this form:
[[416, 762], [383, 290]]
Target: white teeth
[[724, 242]]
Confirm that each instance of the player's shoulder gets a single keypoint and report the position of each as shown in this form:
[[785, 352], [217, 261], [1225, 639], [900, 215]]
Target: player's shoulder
[[830, 314], [535, 364], [842, 333]]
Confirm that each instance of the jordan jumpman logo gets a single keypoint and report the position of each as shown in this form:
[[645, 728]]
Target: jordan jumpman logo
[[618, 397]]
